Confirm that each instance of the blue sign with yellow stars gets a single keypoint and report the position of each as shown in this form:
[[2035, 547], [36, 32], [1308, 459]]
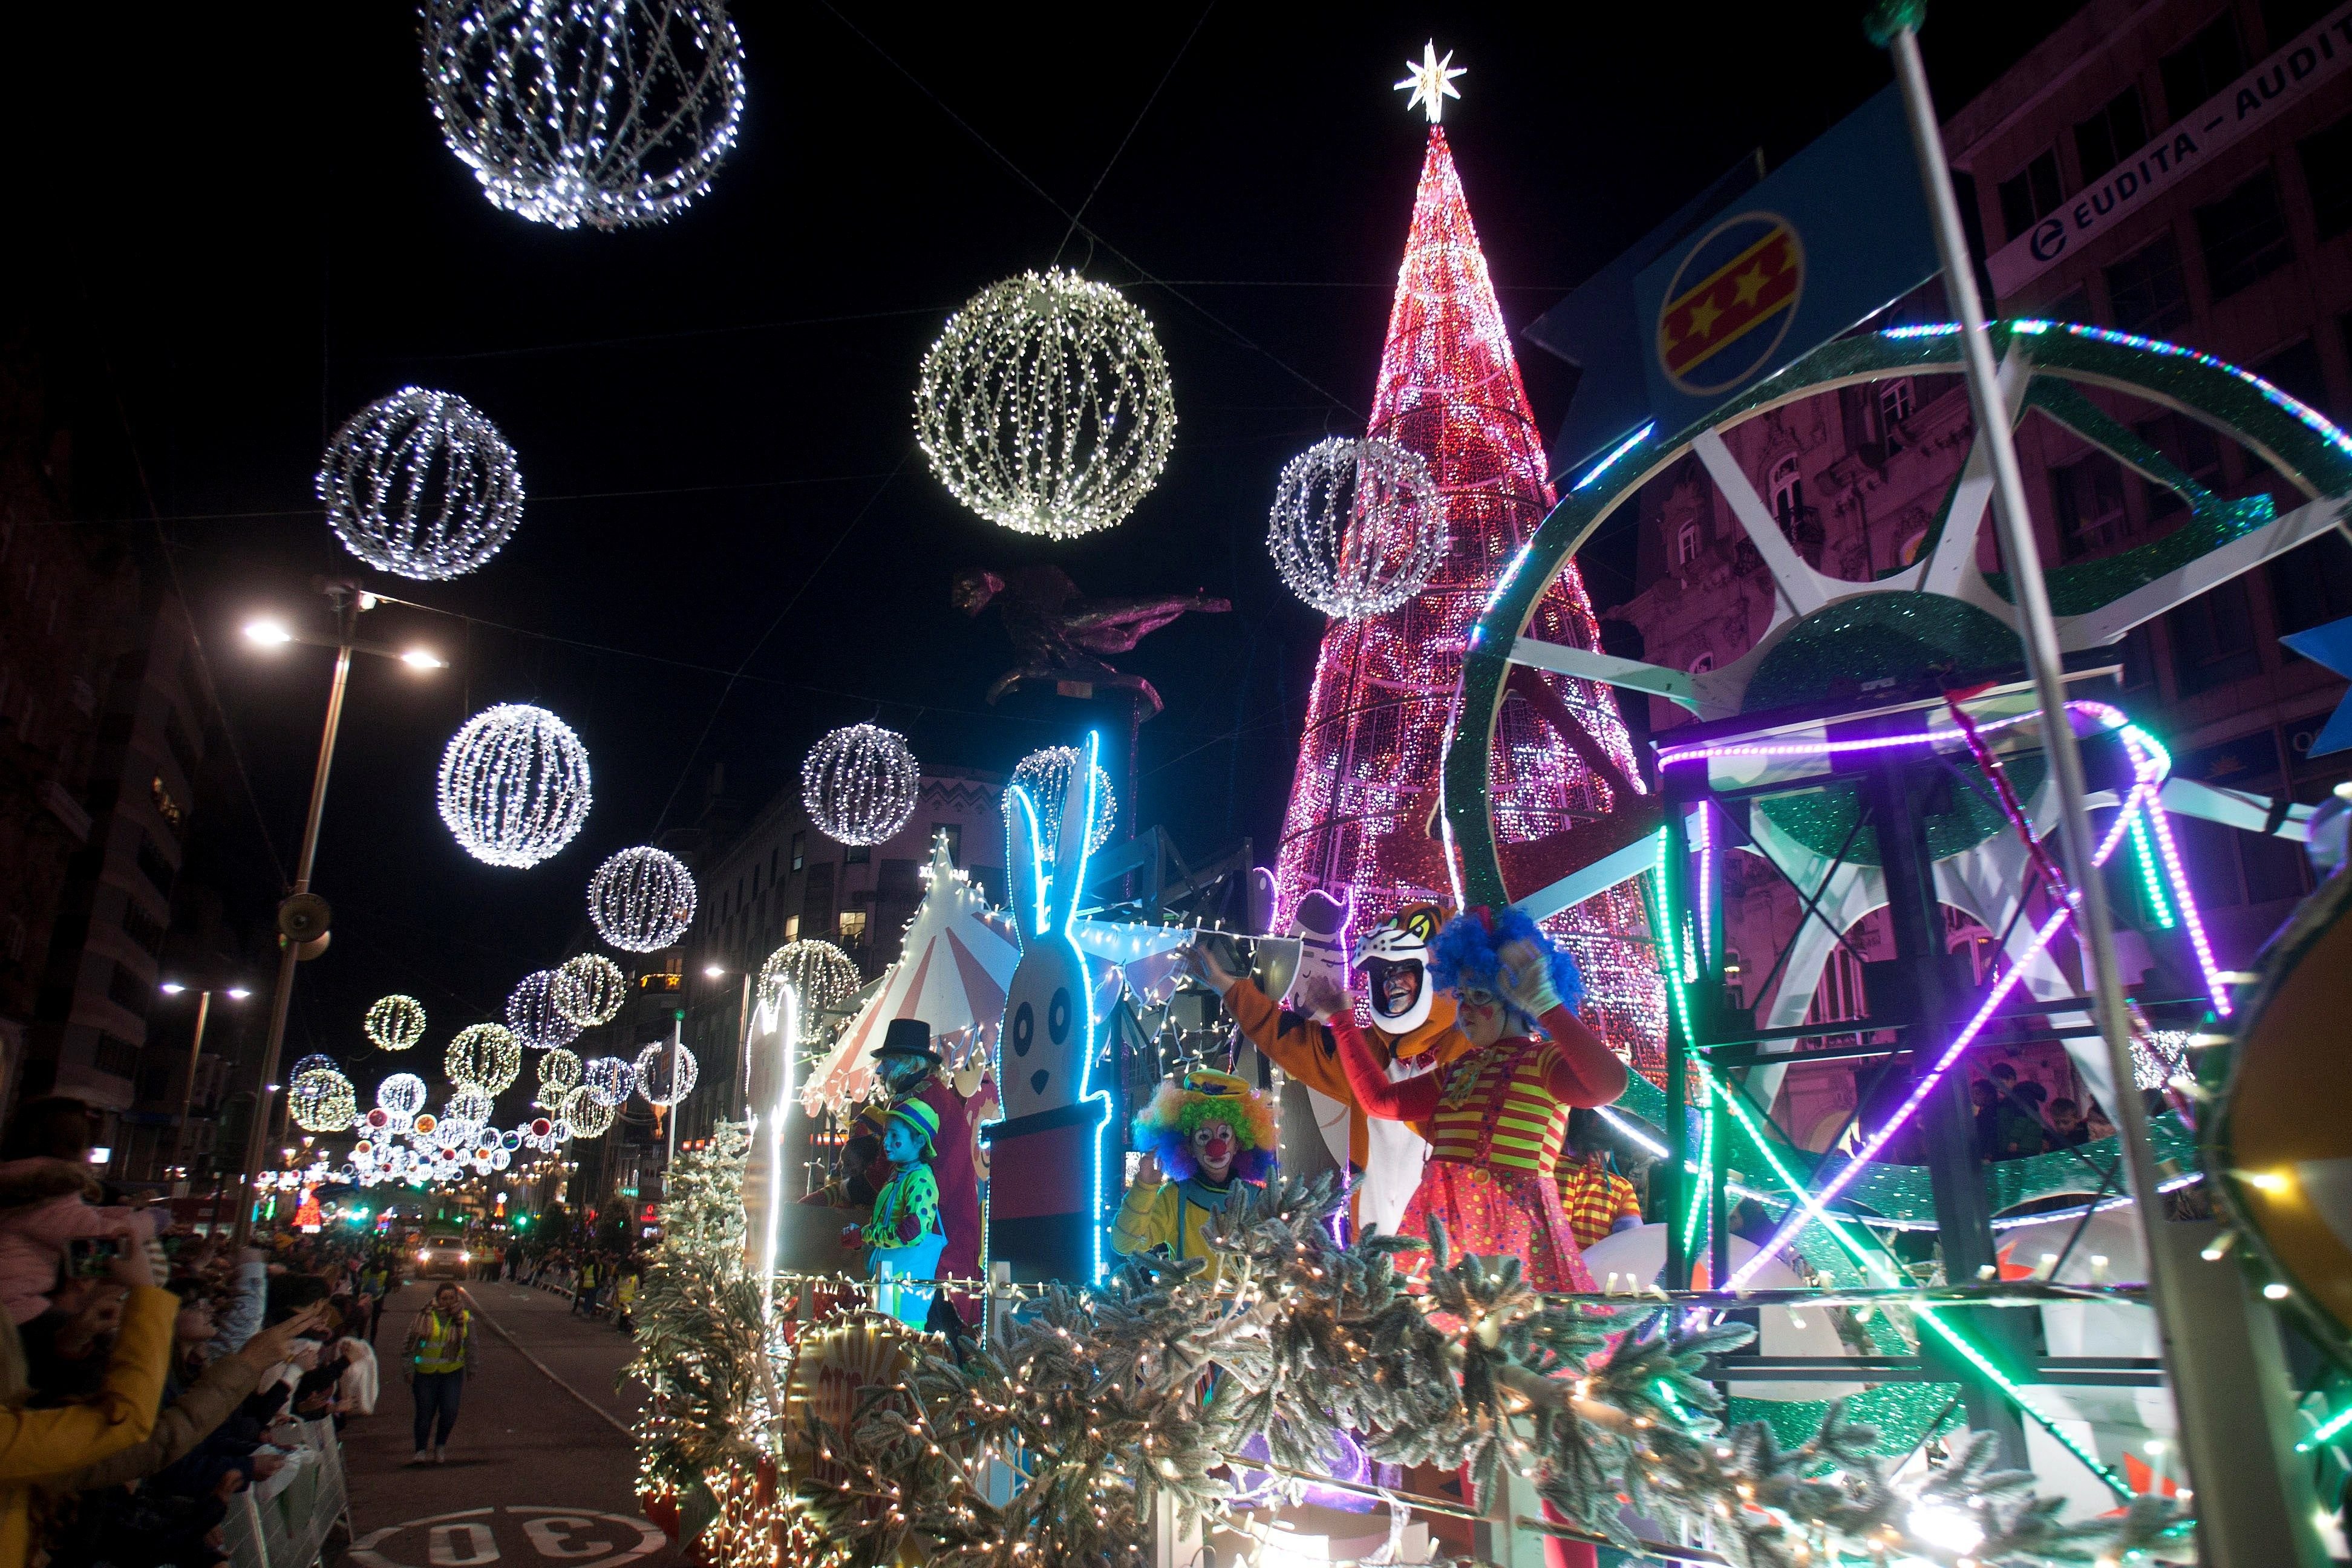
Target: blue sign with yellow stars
[[1835, 234]]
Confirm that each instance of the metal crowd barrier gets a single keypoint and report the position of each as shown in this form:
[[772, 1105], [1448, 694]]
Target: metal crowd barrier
[[288, 1525]]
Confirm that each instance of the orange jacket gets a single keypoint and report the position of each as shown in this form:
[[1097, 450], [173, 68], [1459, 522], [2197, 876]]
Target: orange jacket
[[1307, 1052]]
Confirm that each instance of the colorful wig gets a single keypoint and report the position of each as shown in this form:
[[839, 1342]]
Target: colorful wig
[[1164, 1128], [1467, 957]]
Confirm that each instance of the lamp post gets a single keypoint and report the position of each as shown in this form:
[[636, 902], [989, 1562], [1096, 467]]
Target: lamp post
[[196, 1049], [741, 1088], [303, 916]]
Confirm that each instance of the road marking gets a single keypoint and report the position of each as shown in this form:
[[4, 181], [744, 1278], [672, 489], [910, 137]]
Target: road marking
[[571, 1537], [545, 1371]]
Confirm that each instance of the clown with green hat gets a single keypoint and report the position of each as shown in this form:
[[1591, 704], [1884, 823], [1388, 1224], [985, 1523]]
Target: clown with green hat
[[903, 1235], [1206, 1136]]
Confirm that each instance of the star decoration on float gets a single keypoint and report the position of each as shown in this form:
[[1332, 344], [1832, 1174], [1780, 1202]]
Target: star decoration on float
[[2330, 647], [1431, 81]]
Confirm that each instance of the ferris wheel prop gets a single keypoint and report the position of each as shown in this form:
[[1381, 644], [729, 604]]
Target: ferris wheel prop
[[1771, 770]]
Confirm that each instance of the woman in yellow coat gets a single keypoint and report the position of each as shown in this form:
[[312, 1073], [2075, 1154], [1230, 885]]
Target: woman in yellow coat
[[38, 1446], [1204, 1137]]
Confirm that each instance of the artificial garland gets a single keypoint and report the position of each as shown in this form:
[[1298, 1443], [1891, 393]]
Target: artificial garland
[[1057, 1445]]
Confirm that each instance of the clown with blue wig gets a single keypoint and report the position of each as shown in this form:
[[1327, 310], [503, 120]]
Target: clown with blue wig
[[1205, 1137], [1495, 1117]]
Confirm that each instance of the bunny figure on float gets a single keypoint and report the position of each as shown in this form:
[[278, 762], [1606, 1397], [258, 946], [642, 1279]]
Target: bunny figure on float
[[1045, 1157]]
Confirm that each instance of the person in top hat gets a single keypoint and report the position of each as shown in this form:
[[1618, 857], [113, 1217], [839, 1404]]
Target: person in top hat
[[911, 1068], [1211, 1132]]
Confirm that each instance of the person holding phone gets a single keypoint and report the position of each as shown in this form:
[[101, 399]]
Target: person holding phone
[[47, 1193]]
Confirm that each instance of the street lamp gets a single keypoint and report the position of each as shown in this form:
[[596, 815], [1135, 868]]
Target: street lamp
[[303, 916], [196, 1049]]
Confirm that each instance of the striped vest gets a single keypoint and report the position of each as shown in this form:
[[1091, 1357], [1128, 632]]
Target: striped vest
[[1495, 1110]]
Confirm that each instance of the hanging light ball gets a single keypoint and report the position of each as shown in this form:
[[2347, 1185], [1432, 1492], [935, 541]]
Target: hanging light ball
[[585, 1115], [820, 974], [1045, 775], [590, 989], [485, 1056], [666, 1073], [422, 485], [641, 900], [514, 784], [321, 1100], [532, 1015], [612, 114], [609, 1079], [401, 1096], [314, 1062], [1046, 406], [859, 783], [559, 1071], [396, 1023], [469, 1107], [1357, 527]]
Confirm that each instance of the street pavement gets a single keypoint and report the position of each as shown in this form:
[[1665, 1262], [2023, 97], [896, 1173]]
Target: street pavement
[[540, 1469]]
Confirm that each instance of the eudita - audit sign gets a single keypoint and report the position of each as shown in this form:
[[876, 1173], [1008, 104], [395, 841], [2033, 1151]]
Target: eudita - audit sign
[[2320, 55]]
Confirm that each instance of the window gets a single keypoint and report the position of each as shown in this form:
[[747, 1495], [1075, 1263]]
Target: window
[[2073, 305], [2101, 141], [791, 928], [165, 805], [2244, 236], [2089, 496], [800, 850], [2031, 194], [857, 855], [2145, 292], [2295, 370], [2202, 67], [1788, 488], [2213, 639], [2327, 160], [953, 832], [853, 926], [2282, 19], [2192, 446], [2139, 651], [1893, 408], [1686, 542], [155, 867], [772, 853]]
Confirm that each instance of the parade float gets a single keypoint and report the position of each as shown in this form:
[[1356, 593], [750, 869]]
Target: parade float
[[1917, 1357]]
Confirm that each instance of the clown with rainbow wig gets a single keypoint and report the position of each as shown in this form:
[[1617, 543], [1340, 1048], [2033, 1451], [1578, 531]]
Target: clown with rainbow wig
[[1495, 1117], [1203, 1136]]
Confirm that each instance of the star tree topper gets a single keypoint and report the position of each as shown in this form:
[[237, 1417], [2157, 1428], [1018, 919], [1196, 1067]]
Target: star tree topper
[[1431, 81]]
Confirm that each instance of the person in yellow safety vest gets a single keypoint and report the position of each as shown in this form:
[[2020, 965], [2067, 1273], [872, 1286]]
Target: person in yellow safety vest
[[1211, 1132], [438, 1357]]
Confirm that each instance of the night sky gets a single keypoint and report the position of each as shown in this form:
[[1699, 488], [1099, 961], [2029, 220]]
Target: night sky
[[243, 222]]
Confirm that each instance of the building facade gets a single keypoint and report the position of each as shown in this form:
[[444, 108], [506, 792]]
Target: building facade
[[2089, 210]]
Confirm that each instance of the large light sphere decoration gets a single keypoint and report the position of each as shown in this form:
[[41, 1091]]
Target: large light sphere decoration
[[485, 1056], [394, 1023], [1045, 775], [401, 1096], [533, 1016], [612, 114], [590, 990], [470, 1106], [1357, 527], [1046, 406], [609, 1079], [641, 900], [585, 1115], [559, 1071], [422, 485], [321, 1100], [822, 976], [314, 1062], [859, 783], [514, 784], [666, 1073]]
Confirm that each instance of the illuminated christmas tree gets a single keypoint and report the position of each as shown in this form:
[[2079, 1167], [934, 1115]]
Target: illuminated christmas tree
[[1362, 803]]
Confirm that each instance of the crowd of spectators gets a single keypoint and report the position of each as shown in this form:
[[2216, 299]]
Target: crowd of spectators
[[603, 1281], [148, 1375], [2016, 1119]]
